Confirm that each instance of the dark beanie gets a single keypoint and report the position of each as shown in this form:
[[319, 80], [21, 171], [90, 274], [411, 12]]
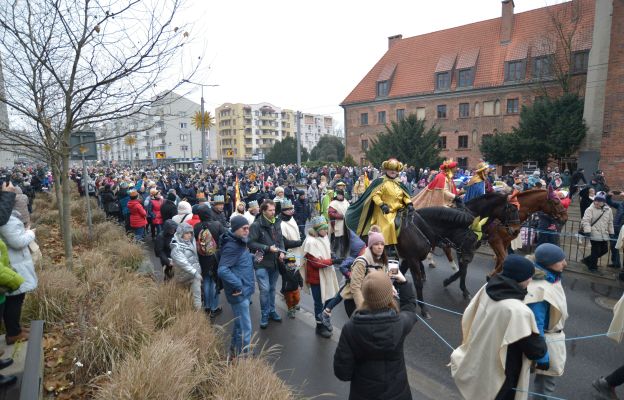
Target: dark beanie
[[518, 268], [238, 222], [548, 254], [171, 196]]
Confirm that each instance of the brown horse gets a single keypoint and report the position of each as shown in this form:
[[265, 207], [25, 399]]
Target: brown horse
[[531, 201]]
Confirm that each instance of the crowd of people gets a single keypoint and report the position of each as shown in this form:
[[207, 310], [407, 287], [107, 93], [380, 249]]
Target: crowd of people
[[234, 229]]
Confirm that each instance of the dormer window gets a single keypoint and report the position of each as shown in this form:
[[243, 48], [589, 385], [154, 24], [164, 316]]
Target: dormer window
[[542, 67], [514, 70], [443, 80], [464, 77], [383, 88]]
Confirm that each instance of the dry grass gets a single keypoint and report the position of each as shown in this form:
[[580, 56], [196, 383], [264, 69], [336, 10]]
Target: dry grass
[[121, 326], [165, 369], [250, 378], [56, 298], [102, 233], [170, 301], [195, 327], [46, 217], [124, 253], [44, 202]]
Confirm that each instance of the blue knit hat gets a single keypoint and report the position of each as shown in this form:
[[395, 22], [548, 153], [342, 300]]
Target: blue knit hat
[[548, 254], [518, 268]]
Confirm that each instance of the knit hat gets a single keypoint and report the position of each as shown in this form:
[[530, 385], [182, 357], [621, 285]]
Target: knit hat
[[134, 194], [319, 223], [601, 196], [238, 222], [279, 189], [375, 236], [518, 268], [153, 192], [171, 196], [287, 205], [290, 258], [184, 207], [377, 291], [548, 254], [252, 204]]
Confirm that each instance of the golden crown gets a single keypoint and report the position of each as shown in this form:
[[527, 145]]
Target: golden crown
[[392, 165]]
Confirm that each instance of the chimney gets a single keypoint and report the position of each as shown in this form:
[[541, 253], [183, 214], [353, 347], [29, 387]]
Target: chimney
[[392, 40], [506, 21]]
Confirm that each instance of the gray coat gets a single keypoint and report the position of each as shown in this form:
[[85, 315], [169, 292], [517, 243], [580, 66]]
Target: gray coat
[[602, 227], [17, 238], [184, 254]]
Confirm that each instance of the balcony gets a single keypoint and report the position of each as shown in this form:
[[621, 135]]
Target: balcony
[[267, 117]]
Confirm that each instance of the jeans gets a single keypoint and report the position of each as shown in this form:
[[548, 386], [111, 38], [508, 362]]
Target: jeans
[[139, 234], [13, 313], [331, 303], [615, 253], [267, 278], [318, 301], [543, 384], [211, 296], [241, 330]]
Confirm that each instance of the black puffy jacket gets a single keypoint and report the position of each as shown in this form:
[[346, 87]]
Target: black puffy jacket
[[370, 351]]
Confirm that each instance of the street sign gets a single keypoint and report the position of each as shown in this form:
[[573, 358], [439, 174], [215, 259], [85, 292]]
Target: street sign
[[83, 144], [161, 155]]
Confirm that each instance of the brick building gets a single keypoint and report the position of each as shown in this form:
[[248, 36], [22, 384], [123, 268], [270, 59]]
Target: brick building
[[472, 80]]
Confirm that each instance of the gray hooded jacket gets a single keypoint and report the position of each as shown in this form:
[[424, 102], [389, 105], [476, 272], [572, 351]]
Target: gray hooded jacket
[[184, 252]]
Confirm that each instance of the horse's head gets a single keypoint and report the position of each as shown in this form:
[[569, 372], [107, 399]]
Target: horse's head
[[554, 207]]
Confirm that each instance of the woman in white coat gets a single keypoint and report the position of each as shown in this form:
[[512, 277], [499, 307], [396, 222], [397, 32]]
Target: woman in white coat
[[17, 239]]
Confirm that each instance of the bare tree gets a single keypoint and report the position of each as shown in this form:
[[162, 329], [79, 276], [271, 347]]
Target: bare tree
[[73, 64]]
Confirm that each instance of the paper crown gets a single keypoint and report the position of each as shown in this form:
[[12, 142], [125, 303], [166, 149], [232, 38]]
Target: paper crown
[[218, 199], [287, 204], [448, 164]]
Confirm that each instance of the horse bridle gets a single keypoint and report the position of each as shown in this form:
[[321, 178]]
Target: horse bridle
[[439, 240]]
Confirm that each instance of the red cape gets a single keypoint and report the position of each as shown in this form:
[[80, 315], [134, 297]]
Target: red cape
[[439, 181]]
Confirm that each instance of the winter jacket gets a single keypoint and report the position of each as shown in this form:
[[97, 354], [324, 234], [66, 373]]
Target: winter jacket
[[154, 210], [262, 235], [21, 206], [601, 228], [123, 197], [220, 217], [236, 268], [370, 350], [9, 279], [17, 239], [618, 219], [208, 263], [302, 211], [184, 254], [7, 201], [168, 210], [107, 197], [162, 243], [137, 214]]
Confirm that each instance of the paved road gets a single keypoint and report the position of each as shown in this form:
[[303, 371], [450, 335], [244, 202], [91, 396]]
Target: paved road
[[305, 360]]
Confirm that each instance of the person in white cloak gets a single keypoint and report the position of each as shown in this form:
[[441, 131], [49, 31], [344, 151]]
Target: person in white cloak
[[605, 386], [290, 231], [500, 337], [337, 210]]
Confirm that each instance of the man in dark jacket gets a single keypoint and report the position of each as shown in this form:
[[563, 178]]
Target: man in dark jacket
[[209, 262], [265, 238], [577, 177], [169, 209], [618, 221], [370, 349], [162, 248], [302, 212], [218, 211]]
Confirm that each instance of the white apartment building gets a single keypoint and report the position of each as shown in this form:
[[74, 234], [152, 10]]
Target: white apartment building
[[313, 126], [166, 135]]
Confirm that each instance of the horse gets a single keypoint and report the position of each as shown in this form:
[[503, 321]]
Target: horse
[[425, 228], [497, 209], [531, 201]]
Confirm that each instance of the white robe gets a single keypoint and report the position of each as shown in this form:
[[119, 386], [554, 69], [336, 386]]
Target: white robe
[[290, 231], [489, 327], [337, 226], [319, 247], [616, 329]]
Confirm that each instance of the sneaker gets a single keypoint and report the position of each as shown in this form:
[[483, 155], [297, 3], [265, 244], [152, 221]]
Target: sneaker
[[214, 313], [322, 331], [274, 316], [454, 266], [325, 319], [291, 313], [264, 321], [604, 389], [297, 307]]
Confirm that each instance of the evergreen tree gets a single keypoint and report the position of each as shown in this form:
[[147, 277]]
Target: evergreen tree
[[329, 148], [285, 152]]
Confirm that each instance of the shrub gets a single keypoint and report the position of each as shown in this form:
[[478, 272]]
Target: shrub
[[46, 217], [102, 234], [165, 369], [125, 254], [121, 326], [195, 327], [56, 297], [170, 301]]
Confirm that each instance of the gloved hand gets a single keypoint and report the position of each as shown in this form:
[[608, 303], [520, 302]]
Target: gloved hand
[[385, 209], [410, 207], [543, 366]]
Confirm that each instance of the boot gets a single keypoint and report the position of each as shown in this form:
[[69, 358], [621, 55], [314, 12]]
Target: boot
[[22, 337], [322, 330], [6, 380], [604, 390], [5, 362]]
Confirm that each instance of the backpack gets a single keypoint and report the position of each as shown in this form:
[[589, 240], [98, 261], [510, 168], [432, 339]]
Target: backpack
[[206, 245]]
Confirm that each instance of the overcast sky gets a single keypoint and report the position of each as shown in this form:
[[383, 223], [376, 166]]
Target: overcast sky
[[308, 55]]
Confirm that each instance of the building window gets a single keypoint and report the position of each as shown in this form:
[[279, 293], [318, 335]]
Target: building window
[[579, 61], [514, 71], [442, 111], [477, 110], [464, 110], [542, 67], [400, 114], [364, 119], [464, 78], [420, 113], [462, 142], [382, 88], [497, 110], [183, 125], [462, 162], [513, 105], [364, 144], [442, 142], [443, 80], [381, 117]]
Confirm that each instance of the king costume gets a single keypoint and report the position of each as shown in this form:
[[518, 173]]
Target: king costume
[[441, 191]]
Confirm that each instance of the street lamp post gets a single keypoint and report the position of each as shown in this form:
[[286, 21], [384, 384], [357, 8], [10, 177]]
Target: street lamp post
[[203, 125]]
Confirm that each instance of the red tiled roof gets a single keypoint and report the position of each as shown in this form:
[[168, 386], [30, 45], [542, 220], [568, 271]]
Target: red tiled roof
[[416, 59], [386, 73], [468, 58]]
